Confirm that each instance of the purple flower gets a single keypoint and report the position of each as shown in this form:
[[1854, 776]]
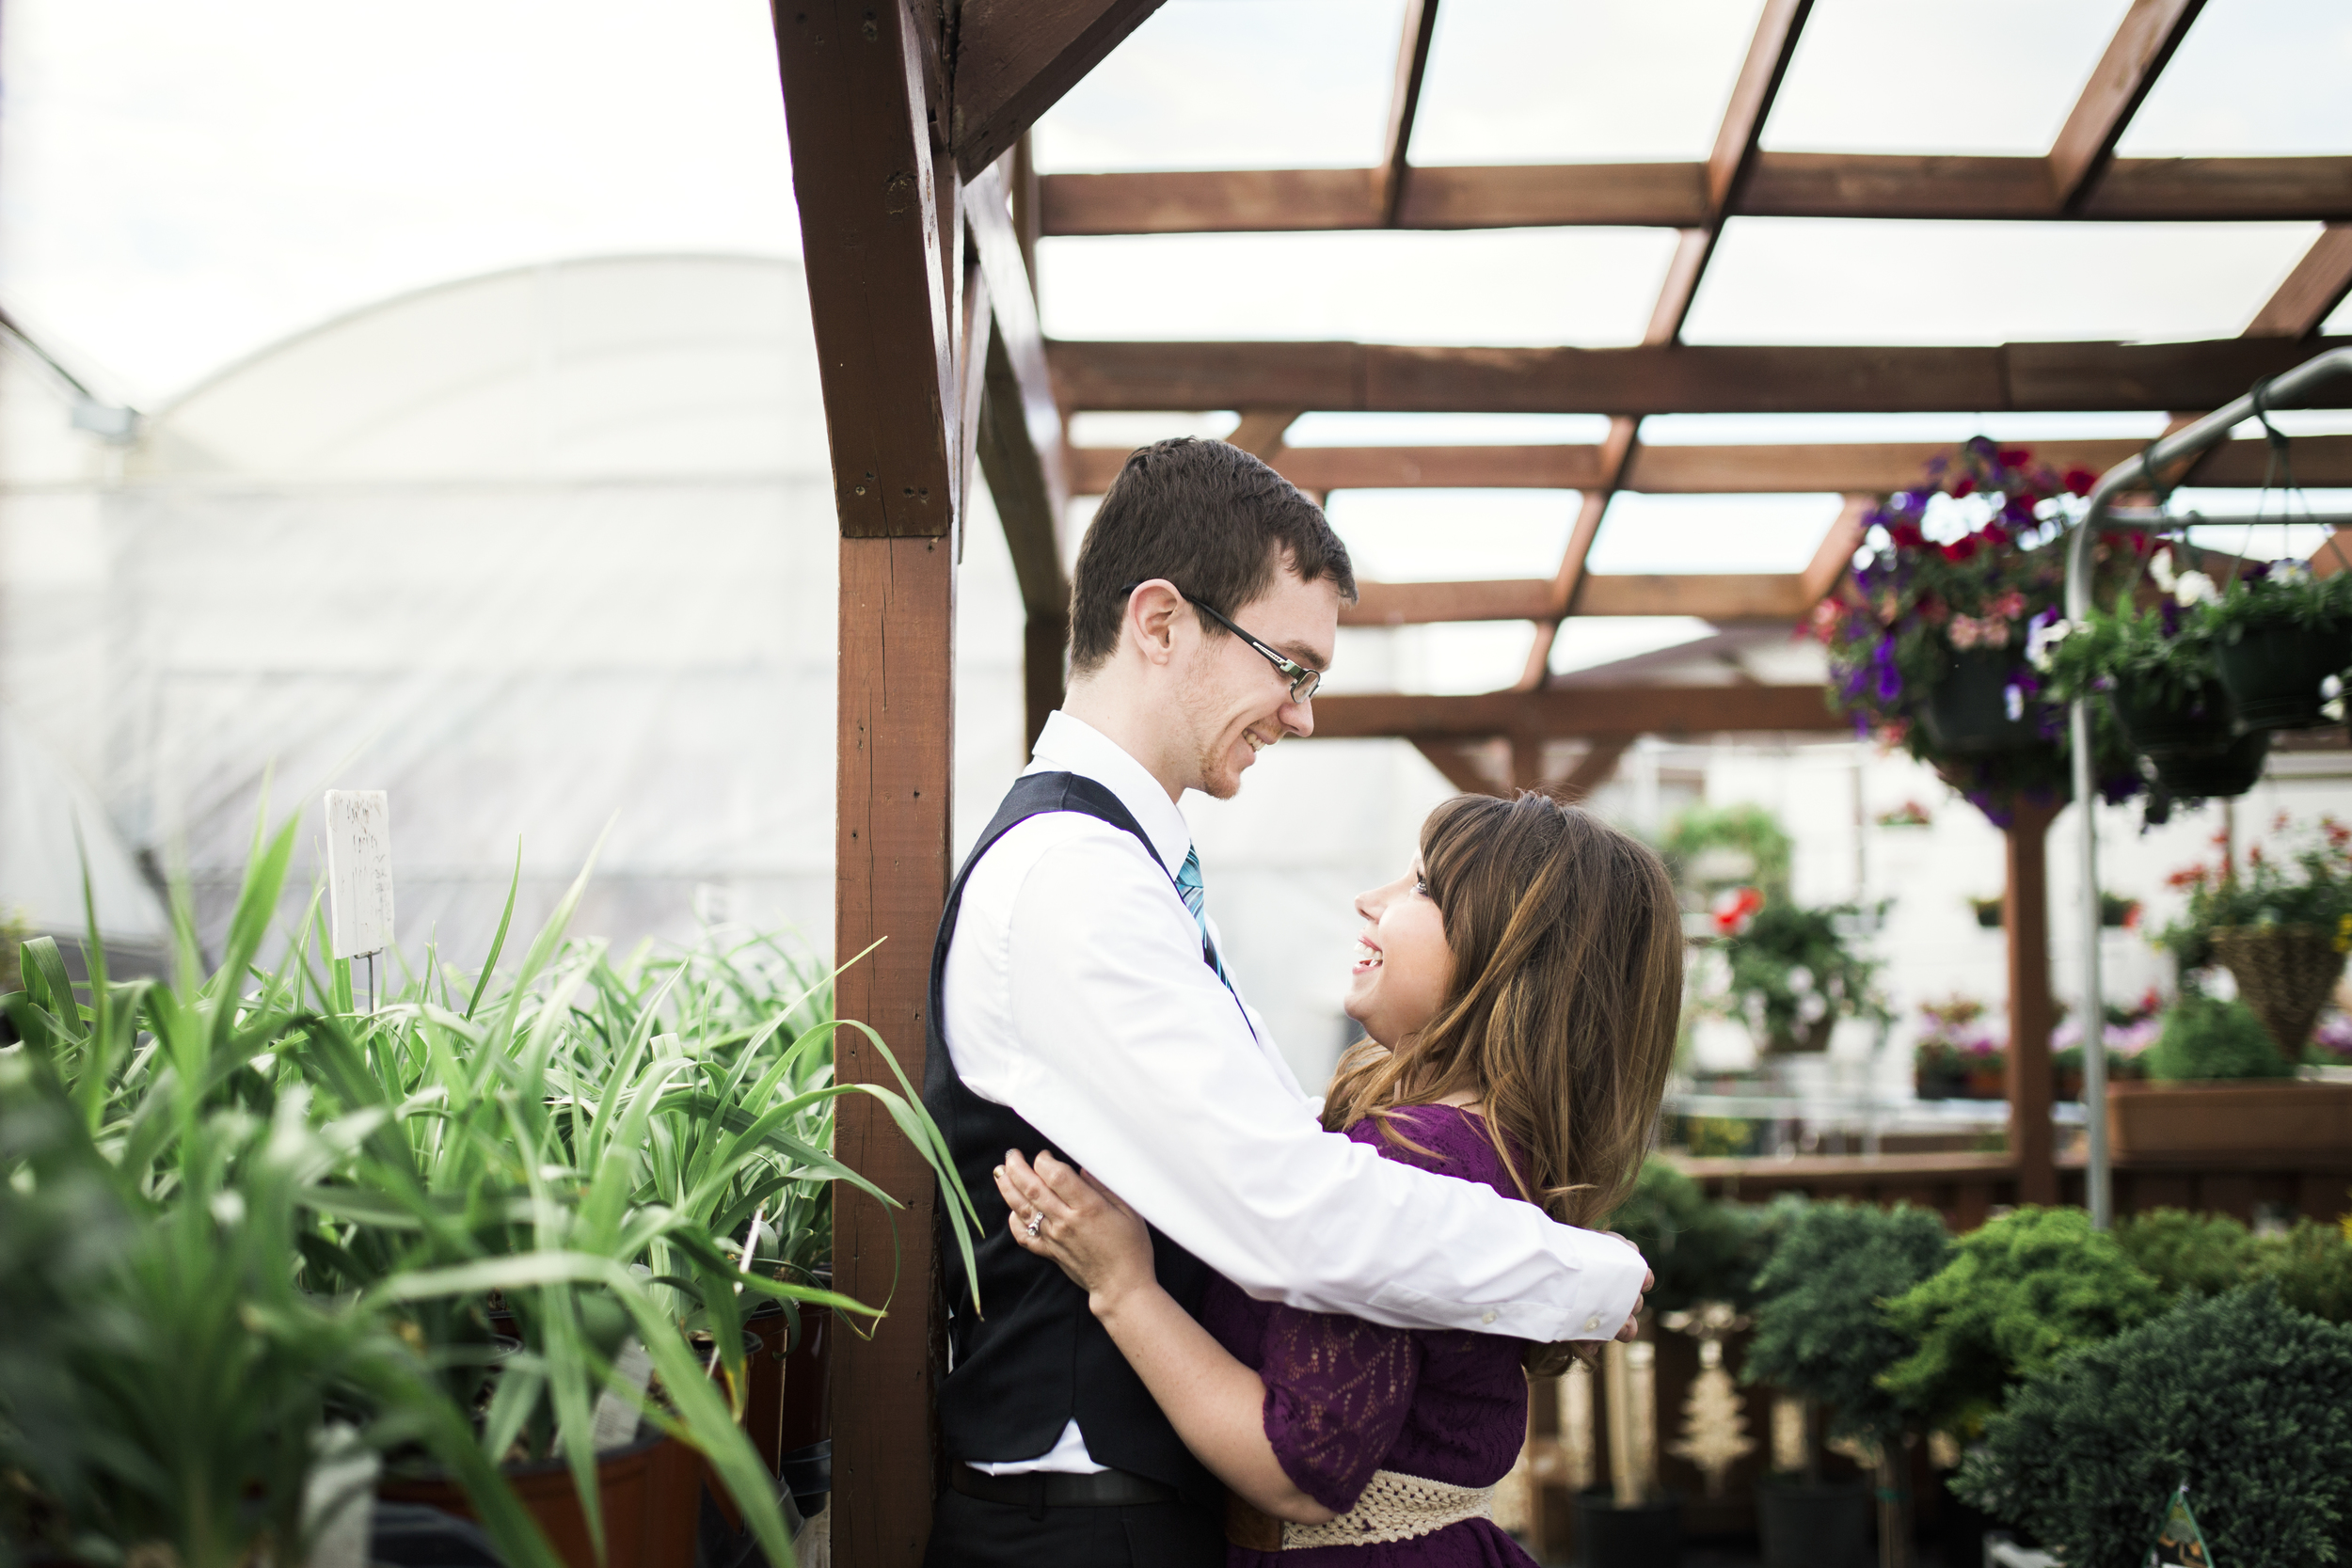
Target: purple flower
[[2169, 613]]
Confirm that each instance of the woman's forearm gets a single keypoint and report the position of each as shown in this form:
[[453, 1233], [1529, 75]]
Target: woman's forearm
[[1214, 1401]]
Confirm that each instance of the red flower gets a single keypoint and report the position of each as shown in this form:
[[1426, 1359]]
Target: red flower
[[2079, 480], [1734, 909], [2015, 457], [1967, 485], [1906, 535], [1960, 549], [1995, 534]]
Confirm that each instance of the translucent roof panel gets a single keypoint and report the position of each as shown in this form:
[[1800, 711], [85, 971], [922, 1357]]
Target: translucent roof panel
[[1132, 430], [1234, 84], [1442, 535], [2253, 76], [1711, 533], [1584, 641], [1446, 659], [1445, 430], [1986, 76], [1577, 81], [1709, 429], [1851, 281], [1591, 286]]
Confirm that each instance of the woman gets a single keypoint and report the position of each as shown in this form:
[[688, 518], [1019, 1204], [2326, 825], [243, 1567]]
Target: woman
[[1520, 988]]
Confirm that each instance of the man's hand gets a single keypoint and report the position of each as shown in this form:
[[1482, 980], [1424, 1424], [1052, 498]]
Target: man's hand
[[1633, 1329]]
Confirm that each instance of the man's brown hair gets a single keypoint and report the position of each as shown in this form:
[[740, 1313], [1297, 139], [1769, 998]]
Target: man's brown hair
[[1210, 519]]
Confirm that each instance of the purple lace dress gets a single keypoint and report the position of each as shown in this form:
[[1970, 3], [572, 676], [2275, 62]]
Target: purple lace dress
[[1344, 1398]]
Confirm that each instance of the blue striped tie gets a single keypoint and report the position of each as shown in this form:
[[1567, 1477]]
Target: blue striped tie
[[1196, 898]]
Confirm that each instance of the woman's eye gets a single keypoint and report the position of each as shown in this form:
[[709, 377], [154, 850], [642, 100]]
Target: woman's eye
[[1420, 886]]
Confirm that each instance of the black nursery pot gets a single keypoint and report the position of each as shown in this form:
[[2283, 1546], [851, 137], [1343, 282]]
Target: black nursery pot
[[1967, 711], [1647, 1535], [2231, 771], [1814, 1527], [2199, 727], [2273, 673]]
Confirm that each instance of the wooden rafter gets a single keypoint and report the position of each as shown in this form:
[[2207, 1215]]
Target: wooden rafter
[[1015, 58], [1412, 63], [2316, 287], [1570, 712], [1664, 379], [1674, 195], [2142, 45], [1721, 596], [1834, 556], [1261, 431], [1726, 471]]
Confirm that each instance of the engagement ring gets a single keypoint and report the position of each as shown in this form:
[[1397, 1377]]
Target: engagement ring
[[1036, 1219]]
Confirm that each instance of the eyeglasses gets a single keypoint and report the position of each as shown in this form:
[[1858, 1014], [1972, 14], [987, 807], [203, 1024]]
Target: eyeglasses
[[1303, 681]]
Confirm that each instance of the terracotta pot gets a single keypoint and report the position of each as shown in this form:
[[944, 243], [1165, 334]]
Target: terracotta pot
[[763, 1420], [2268, 1116], [2285, 974], [2273, 673], [807, 1379], [650, 1493], [1988, 1084]]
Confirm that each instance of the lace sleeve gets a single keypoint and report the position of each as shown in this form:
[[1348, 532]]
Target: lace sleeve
[[1337, 1390]]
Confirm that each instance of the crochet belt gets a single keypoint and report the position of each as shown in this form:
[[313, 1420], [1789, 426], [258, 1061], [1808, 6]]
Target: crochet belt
[[1393, 1507]]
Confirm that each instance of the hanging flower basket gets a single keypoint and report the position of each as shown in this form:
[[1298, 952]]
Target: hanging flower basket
[[1978, 706], [2217, 775], [2276, 675], [2161, 724], [2285, 974]]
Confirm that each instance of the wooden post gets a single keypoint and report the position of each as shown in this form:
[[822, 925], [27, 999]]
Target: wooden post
[[2026, 906]]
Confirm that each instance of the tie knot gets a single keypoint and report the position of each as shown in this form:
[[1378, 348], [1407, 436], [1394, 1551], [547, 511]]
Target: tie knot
[[1188, 875]]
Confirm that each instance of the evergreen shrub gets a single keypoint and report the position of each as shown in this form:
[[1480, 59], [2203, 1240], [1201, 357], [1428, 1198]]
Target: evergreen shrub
[[1700, 1249], [2018, 1293], [2200, 1254], [2312, 1264], [2243, 1398], [2205, 1040]]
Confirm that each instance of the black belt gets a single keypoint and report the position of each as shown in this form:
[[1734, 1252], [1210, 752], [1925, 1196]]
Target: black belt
[[1038, 1490]]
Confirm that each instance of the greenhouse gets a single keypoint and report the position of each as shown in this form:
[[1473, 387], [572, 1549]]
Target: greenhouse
[[1443, 782]]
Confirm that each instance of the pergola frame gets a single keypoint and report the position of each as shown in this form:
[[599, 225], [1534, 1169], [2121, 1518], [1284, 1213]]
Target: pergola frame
[[920, 212]]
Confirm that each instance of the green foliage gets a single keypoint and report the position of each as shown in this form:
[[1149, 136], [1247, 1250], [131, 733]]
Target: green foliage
[[2198, 1254], [2205, 1040], [1700, 1249], [2243, 1398], [1750, 842], [2283, 594], [2312, 1266], [1819, 1328], [2156, 658], [1794, 973], [2018, 1293], [2306, 880]]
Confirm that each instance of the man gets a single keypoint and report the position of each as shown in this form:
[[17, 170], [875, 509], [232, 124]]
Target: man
[[1078, 1004]]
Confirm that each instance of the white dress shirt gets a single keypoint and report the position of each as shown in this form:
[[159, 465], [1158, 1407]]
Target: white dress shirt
[[1075, 994]]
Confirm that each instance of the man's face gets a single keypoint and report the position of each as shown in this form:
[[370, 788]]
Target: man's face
[[1235, 701]]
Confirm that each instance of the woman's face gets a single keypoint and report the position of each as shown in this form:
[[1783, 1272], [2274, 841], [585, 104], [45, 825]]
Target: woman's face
[[1404, 968]]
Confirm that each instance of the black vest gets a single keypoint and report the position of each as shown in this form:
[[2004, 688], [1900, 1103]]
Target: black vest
[[1034, 1358]]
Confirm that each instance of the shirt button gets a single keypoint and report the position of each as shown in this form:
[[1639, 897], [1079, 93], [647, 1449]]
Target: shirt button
[[1593, 1322], [1487, 1318]]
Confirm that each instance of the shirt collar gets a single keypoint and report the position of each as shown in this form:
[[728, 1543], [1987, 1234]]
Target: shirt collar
[[1074, 746]]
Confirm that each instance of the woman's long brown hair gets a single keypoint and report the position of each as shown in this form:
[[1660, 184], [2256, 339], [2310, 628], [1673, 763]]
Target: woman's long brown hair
[[1566, 996]]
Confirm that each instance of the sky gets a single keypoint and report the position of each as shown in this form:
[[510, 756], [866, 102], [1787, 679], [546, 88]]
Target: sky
[[183, 182]]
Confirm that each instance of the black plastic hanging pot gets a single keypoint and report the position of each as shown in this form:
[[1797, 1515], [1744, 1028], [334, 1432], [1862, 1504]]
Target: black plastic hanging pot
[[2197, 726], [2232, 770], [1975, 708], [2274, 673], [1608, 1535], [1814, 1527]]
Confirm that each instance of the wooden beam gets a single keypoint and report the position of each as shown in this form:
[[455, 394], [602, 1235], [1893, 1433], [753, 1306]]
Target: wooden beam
[[2032, 1014], [1679, 378], [1568, 580], [1752, 95], [2334, 554], [870, 231], [1562, 712], [1015, 58], [1674, 195], [1708, 596], [1694, 249], [1260, 431], [1834, 558], [1459, 762], [2151, 30], [1412, 62], [2316, 287], [1593, 768], [1733, 470]]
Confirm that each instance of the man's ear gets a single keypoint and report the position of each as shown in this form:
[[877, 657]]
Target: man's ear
[[1151, 618]]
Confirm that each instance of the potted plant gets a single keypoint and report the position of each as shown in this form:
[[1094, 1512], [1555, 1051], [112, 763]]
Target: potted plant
[[1929, 649], [1956, 1057], [2239, 1396], [1820, 1333], [2204, 1255], [2218, 1084], [2018, 1293], [1792, 973], [2283, 927], [2281, 633]]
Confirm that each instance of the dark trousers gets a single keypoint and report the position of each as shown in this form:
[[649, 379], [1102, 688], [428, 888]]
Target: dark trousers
[[967, 1532]]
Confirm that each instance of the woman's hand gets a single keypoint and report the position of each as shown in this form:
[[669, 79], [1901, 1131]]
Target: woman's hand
[[1070, 1217]]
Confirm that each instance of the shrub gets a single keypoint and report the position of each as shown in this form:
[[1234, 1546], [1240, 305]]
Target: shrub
[[2017, 1295], [2312, 1265], [1819, 1330], [2189, 1253], [1701, 1250], [2245, 1398], [2205, 1040]]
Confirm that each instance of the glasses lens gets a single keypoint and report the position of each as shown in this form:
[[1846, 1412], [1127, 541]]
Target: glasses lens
[[1303, 688]]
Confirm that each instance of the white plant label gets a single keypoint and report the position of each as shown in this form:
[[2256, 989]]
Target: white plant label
[[358, 872]]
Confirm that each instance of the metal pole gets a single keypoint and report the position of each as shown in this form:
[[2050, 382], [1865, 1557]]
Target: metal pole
[[2132, 472]]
